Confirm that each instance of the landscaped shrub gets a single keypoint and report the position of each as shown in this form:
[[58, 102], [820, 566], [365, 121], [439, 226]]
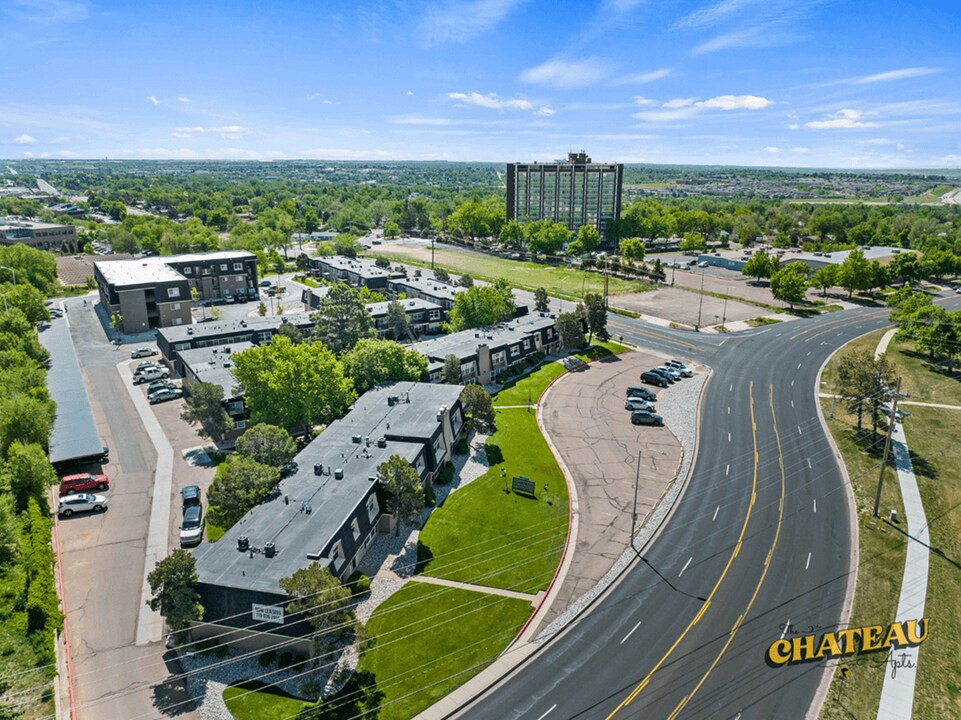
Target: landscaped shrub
[[462, 447], [285, 661], [266, 659], [430, 497], [446, 474], [220, 652], [359, 583]]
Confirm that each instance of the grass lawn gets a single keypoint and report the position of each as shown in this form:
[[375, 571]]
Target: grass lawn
[[214, 532], [528, 388], [486, 536], [558, 281], [929, 382], [429, 640], [935, 448], [761, 321], [255, 701]]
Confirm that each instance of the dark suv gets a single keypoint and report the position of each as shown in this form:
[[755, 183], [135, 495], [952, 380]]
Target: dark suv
[[639, 391], [654, 378], [643, 417], [83, 482], [191, 496]]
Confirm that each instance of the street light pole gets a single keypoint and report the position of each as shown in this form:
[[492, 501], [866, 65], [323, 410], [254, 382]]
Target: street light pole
[[700, 303], [14, 272], [637, 478], [887, 444]]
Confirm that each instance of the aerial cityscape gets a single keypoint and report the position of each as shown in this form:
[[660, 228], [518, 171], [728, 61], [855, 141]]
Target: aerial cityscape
[[487, 359]]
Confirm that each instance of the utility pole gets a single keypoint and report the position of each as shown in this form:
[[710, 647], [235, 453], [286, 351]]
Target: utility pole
[[432, 253], [606, 278], [887, 444], [637, 479], [724, 318], [700, 304]]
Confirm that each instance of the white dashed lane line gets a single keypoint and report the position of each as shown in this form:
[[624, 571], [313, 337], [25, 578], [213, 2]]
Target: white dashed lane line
[[808, 563], [685, 566], [623, 640]]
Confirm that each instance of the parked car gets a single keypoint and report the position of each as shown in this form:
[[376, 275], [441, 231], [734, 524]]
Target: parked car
[[703, 264], [163, 395], [673, 374], [190, 496], [83, 482], [643, 417], [229, 299], [642, 392], [654, 378], [160, 385], [192, 528], [638, 404], [81, 502], [55, 312], [664, 374], [150, 373], [142, 352], [680, 367], [147, 364], [265, 283]]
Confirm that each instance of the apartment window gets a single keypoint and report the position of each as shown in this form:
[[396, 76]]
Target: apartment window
[[371, 507], [178, 321], [355, 529], [174, 306], [187, 271], [173, 292], [515, 350], [527, 343], [370, 538], [223, 267], [241, 278], [240, 424], [238, 266]]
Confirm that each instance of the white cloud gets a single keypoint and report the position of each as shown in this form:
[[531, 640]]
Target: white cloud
[[409, 93], [183, 99], [47, 12], [566, 74], [490, 101], [800, 150], [897, 75], [643, 78], [772, 150], [460, 20], [27, 154], [546, 111], [25, 140], [841, 120], [641, 100], [228, 132], [418, 120], [707, 16], [153, 100], [683, 108]]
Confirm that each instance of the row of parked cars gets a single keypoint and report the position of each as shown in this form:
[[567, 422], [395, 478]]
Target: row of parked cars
[[159, 388], [641, 401], [74, 497]]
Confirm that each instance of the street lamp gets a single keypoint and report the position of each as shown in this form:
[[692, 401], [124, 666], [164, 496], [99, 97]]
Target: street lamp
[[4, 267]]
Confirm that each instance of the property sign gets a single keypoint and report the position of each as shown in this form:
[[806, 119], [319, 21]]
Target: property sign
[[843, 643], [523, 485], [267, 613]]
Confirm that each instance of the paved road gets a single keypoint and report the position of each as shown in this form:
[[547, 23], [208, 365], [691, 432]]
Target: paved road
[[760, 541]]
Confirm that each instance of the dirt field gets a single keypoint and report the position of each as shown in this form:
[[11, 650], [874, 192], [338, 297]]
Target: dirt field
[[681, 306]]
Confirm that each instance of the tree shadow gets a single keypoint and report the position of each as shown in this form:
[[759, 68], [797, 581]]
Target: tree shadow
[[495, 456], [923, 467], [170, 697], [424, 558]]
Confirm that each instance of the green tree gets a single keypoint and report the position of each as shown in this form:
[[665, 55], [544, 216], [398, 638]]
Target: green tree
[[173, 588], [546, 236], [32, 266], [397, 320], [391, 229], [267, 444], [25, 419], [570, 328], [30, 474], [318, 597], [372, 361], [465, 281], [382, 263], [294, 386], [862, 381], [824, 277], [342, 319], [482, 306], [908, 268], [692, 242], [403, 488], [541, 300], [512, 235], [855, 273], [290, 331], [450, 374], [27, 299], [789, 283], [262, 309], [19, 334], [205, 407], [633, 249], [587, 239], [596, 316], [441, 275], [759, 266], [478, 406], [240, 484]]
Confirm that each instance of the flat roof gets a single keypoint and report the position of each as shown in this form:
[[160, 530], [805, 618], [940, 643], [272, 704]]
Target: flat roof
[[139, 271], [380, 308], [200, 257], [301, 538], [464, 344], [74, 432], [184, 333], [361, 266], [215, 365], [431, 287], [10, 223]]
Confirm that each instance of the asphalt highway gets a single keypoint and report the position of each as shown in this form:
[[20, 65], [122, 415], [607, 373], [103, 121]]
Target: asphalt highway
[[758, 547]]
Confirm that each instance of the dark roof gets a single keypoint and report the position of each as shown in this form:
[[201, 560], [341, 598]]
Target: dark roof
[[185, 333], [464, 344], [214, 365], [74, 431], [302, 538]]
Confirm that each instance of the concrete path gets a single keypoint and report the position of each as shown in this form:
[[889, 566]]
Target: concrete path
[[897, 693], [532, 599], [940, 406]]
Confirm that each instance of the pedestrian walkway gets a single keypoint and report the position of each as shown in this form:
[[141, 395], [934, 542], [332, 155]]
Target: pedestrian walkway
[[940, 406], [897, 693], [532, 599]]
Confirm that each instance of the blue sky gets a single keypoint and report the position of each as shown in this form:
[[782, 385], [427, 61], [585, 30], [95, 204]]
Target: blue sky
[[822, 83]]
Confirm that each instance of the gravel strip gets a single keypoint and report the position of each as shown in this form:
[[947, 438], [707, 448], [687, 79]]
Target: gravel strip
[[678, 406]]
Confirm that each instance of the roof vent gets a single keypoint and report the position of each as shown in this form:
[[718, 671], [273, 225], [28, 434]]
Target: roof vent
[[190, 331], [243, 543], [269, 550], [243, 323], [367, 441], [318, 469], [381, 442], [227, 350], [356, 439], [339, 474]]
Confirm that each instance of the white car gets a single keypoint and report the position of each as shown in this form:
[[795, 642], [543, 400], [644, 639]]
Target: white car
[[164, 394], [702, 264], [680, 367], [192, 529], [142, 352], [81, 502], [638, 404], [669, 371], [150, 373]]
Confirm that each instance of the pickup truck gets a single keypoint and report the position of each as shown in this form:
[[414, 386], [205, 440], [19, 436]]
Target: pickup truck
[[150, 373]]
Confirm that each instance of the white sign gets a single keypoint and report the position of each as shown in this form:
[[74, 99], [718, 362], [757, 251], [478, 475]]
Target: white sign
[[267, 613]]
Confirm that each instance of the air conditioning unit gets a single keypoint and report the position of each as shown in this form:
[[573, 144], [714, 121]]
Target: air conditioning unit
[[269, 550], [355, 439], [339, 474], [243, 544], [381, 442]]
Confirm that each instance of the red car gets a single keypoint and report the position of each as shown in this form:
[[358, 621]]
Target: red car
[[82, 483]]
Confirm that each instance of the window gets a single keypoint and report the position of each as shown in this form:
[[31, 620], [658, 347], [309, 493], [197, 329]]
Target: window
[[187, 271], [174, 306], [527, 343], [173, 292], [371, 507], [223, 267], [370, 538], [241, 278], [355, 529], [240, 424], [238, 266]]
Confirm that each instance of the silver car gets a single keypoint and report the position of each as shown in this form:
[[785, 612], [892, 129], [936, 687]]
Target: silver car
[[634, 403], [81, 502], [673, 373], [680, 367]]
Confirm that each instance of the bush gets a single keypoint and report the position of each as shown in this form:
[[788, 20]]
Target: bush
[[359, 583], [430, 498], [446, 474], [267, 659], [220, 652], [286, 659], [462, 447]]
